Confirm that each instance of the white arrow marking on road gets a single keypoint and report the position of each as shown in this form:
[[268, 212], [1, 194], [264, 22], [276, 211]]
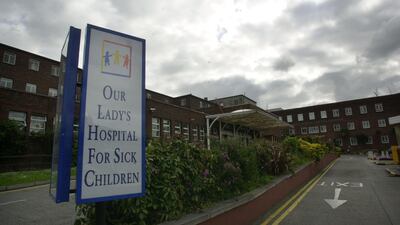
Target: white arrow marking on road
[[335, 202]]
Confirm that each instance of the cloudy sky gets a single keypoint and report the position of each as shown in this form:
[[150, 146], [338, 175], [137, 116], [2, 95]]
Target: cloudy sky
[[280, 53]]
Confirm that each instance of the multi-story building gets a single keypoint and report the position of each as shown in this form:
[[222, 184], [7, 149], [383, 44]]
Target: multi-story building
[[28, 90], [360, 124]]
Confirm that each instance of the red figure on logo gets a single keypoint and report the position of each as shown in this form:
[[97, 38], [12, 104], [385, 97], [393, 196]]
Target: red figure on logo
[[126, 61]]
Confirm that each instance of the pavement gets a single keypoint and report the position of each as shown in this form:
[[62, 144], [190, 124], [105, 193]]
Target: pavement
[[34, 206], [353, 191]]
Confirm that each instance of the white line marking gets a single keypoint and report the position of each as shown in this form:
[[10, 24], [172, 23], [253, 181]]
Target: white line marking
[[323, 183], [12, 202], [335, 202]]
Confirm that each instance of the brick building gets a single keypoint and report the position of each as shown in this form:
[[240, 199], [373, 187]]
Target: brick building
[[28, 90], [359, 124]]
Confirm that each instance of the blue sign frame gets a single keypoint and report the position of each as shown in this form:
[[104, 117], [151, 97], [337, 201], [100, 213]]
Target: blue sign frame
[[65, 142], [79, 199]]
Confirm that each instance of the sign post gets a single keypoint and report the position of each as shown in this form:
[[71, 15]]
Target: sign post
[[111, 156], [64, 120]]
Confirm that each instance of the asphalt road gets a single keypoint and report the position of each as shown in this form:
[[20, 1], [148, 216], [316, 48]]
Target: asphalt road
[[34, 206], [354, 191]]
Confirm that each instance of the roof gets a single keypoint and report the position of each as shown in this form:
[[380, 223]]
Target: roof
[[234, 96], [253, 118]]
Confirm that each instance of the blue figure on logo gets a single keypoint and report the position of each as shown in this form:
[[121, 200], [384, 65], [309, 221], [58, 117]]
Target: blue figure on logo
[[107, 57]]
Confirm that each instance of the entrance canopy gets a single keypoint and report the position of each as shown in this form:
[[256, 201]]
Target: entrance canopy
[[254, 119]]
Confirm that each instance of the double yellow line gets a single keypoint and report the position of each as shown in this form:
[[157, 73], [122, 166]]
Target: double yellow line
[[295, 199]]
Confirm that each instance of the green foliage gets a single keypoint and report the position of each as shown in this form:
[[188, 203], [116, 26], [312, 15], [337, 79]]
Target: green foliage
[[12, 138], [182, 178]]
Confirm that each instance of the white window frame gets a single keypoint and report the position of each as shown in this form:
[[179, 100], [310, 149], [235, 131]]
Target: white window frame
[[351, 126], [365, 124], [155, 127], [378, 107], [292, 131], [30, 88], [338, 141], [19, 117], [348, 111], [280, 118], [289, 118], [323, 114], [304, 130], [55, 70], [9, 58], [322, 129], [178, 128], [195, 134], [385, 139], [183, 102], [185, 131], [363, 109], [313, 130], [311, 116], [166, 128], [34, 64], [336, 127], [300, 117], [370, 140], [201, 133], [53, 92], [38, 124], [382, 123], [353, 141], [6, 82], [335, 113]]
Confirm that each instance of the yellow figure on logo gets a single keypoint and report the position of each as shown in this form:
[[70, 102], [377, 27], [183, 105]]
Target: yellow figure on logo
[[117, 56]]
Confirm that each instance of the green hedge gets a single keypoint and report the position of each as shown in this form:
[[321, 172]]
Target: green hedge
[[183, 178]]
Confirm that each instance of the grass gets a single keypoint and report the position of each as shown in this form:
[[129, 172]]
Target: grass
[[22, 177]]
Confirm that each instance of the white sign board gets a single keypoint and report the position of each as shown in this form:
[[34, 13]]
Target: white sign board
[[111, 155]]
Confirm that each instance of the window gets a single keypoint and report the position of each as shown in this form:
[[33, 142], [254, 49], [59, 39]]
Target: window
[[55, 70], [34, 64], [38, 124], [348, 111], [365, 124], [177, 128], [323, 114], [384, 139], [185, 128], [280, 118], [350, 126], [292, 131], [363, 109], [201, 133], [201, 104], [311, 116], [148, 95], [166, 128], [52, 92], [335, 113], [369, 141], [353, 141], [381, 123], [9, 58], [30, 88], [183, 102], [155, 127], [19, 117], [304, 130], [300, 117], [338, 141], [336, 127], [194, 133], [379, 107], [322, 128], [6, 83], [313, 130], [289, 118]]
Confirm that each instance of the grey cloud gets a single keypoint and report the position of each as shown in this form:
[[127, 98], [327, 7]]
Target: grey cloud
[[284, 63]]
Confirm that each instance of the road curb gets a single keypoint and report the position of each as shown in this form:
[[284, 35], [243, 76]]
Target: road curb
[[26, 185]]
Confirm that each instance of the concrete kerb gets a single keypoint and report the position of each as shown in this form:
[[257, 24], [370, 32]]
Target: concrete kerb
[[28, 185], [227, 205]]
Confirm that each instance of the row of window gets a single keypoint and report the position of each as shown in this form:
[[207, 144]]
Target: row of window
[[348, 111], [37, 124], [179, 129], [30, 88], [354, 141], [337, 127], [33, 64]]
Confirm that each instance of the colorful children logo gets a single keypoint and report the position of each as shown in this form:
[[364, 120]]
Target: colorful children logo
[[116, 59]]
